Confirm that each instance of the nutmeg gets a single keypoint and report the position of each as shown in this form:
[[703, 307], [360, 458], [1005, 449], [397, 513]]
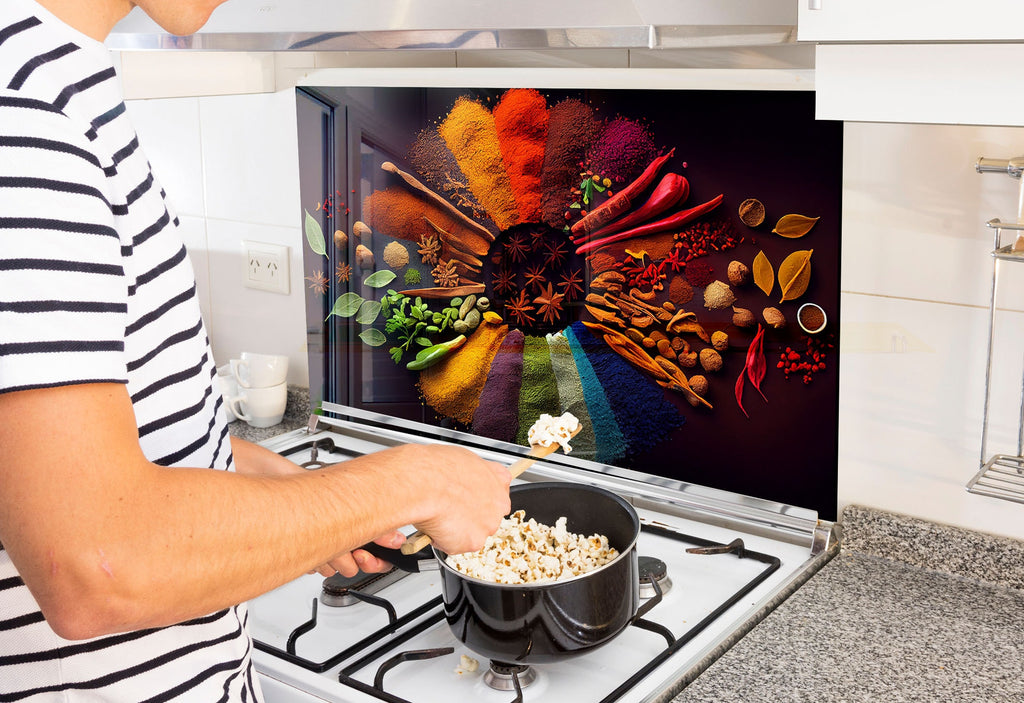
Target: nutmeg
[[340, 240], [699, 384], [751, 212], [774, 317], [741, 317], [710, 359], [364, 257], [720, 340], [738, 273], [360, 228]]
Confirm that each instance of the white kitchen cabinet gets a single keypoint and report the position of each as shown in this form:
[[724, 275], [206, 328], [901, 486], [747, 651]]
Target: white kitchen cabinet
[[910, 20]]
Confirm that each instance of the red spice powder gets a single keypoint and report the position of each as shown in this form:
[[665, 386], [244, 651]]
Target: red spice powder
[[521, 118], [699, 273], [572, 128]]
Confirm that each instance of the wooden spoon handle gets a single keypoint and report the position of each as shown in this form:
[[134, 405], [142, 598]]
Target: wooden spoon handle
[[418, 540]]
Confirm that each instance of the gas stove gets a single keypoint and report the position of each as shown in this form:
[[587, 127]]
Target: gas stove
[[713, 564]]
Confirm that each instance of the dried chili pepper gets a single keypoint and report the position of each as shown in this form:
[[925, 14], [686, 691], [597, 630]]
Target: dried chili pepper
[[671, 189], [621, 201], [663, 225], [754, 369]]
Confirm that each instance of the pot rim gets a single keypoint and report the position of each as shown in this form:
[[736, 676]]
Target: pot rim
[[441, 556]]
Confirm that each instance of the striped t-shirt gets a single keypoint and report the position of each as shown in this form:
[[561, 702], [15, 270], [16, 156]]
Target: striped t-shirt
[[96, 287]]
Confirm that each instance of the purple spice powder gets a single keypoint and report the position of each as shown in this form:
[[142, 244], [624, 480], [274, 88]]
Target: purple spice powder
[[624, 148], [497, 414]]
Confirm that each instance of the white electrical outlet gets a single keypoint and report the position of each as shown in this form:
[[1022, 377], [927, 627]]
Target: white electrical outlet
[[265, 266]]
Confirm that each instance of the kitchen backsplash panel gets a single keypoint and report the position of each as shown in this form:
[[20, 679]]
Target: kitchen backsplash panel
[[454, 217]]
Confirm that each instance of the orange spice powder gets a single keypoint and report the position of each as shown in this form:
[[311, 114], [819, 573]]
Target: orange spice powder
[[521, 118], [469, 132], [453, 386], [399, 213]]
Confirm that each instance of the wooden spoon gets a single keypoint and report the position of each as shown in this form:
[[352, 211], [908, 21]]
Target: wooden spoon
[[418, 540]]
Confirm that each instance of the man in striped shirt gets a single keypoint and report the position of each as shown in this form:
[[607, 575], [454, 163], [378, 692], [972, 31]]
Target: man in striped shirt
[[124, 556]]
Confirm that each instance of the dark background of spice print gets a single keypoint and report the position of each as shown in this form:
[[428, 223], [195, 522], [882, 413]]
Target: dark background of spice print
[[761, 144]]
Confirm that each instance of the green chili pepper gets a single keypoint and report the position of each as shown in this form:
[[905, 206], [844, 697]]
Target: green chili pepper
[[431, 355]]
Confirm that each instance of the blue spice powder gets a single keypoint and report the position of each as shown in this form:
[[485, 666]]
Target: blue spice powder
[[570, 393], [497, 414], [639, 404], [539, 393], [611, 445]]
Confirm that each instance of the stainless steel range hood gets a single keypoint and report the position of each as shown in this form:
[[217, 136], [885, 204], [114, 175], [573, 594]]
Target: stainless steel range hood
[[464, 25]]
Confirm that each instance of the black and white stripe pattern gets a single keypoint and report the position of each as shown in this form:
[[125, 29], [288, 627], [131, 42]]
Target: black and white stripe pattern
[[96, 286]]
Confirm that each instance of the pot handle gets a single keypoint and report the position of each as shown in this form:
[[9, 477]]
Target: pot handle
[[423, 560]]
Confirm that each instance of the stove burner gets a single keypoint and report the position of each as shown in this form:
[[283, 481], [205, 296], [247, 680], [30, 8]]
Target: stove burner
[[651, 567], [501, 676], [337, 590]]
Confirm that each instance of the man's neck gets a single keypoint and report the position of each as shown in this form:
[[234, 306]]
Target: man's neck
[[94, 18]]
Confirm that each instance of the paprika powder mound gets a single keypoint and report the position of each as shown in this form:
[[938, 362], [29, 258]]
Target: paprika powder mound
[[610, 444], [521, 119], [470, 133], [539, 393], [570, 393], [453, 386], [497, 414]]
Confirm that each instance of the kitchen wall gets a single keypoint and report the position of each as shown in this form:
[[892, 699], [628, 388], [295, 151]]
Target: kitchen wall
[[916, 276]]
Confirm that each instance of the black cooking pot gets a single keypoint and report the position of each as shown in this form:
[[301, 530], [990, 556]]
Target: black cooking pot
[[543, 622]]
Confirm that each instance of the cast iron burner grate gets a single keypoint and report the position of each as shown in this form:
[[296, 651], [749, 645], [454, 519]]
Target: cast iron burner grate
[[432, 613]]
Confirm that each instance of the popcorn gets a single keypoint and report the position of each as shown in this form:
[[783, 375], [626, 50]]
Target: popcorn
[[525, 551], [548, 430]]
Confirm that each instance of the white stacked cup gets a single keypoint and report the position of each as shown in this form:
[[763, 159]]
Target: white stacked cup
[[262, 390]]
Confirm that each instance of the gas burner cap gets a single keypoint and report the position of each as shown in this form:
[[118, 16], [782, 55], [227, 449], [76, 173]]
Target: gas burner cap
[[653, 567], [335, 591], [499, 676]]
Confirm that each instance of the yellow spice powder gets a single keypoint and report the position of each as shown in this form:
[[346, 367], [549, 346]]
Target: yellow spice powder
[[453, 386]]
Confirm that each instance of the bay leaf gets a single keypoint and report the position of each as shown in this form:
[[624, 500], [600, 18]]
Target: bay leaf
[[372, 337], [368, 312], [346, 305], [794, 226], [315, 235], [795, 274], [764, 274], [379, 279]]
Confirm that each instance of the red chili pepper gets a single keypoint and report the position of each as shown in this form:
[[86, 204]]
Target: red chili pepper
[[671, 222], [671, 189], [622, 201]]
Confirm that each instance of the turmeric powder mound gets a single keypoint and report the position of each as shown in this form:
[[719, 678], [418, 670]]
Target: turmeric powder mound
[[521, 118], [399, 213], [469, 132], [452, 387]]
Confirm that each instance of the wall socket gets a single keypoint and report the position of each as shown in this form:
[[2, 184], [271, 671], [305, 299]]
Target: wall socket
[[265, 266]]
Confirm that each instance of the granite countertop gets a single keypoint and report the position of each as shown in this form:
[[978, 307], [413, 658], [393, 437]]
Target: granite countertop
[[296, 415], [909, 610]]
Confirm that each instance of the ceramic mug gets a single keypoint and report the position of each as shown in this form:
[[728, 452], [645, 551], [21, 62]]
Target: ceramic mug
[[253, 370], [228, 388], [260, 407]]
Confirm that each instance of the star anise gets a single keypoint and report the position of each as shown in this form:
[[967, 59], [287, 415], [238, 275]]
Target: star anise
[[549, 304], [504, 282], [519, 309], [554, 253], [517, 248], [343, 272], [572, 284], [445, 275], [430, 249], [535, 277], [318, 282]]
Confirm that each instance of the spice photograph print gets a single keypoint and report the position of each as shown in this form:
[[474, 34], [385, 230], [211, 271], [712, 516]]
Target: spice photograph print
[[662, 264]]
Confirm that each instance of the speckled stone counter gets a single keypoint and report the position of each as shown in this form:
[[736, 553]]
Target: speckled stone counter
[[908, 611], [296, 415]]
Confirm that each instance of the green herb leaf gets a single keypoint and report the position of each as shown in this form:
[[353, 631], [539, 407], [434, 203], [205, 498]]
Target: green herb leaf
[[379, 279], [396, 354], [368, 312], [315, 235], [346, 305], [424, 342], [373, 337], [416, 312]]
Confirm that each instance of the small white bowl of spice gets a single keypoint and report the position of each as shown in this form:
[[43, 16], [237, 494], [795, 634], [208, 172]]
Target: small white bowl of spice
[[811, 318]]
